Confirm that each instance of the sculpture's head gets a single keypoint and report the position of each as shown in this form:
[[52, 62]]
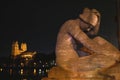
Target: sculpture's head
[[92, 17]]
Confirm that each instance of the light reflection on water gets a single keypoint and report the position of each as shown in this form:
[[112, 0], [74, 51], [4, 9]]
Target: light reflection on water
[[23, 74]]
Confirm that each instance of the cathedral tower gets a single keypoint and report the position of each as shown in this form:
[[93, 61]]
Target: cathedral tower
[[15, 49], [23, 47]]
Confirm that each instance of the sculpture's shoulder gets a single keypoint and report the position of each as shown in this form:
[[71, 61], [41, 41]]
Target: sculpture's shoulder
[[69, 25], [71, 21]]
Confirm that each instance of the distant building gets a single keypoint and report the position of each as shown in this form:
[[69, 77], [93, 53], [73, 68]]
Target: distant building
[[17, 50], [20, 50], [23, 62]]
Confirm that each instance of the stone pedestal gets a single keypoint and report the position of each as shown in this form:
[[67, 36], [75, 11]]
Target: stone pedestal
[[57, 73]]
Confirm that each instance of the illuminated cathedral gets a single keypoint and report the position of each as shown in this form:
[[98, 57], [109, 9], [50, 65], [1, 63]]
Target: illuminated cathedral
[[21, 50]]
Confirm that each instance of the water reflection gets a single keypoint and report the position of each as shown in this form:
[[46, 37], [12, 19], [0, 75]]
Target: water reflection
[[26, 68], [23, 74], [34, 71]]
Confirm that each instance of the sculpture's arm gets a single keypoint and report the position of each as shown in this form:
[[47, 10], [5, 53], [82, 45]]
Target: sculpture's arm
[[79, 35], [86, 50]]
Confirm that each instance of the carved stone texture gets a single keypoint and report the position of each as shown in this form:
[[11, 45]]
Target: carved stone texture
[[80, 35]]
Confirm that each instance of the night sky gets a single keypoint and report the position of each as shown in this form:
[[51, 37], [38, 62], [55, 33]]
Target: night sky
[[37, 22]]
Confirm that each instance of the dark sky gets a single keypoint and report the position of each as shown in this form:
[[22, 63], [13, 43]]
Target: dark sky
[[37, 22]]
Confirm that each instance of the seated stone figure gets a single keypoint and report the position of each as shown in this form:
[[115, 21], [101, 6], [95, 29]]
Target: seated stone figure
[[78, 32], [97, 55]]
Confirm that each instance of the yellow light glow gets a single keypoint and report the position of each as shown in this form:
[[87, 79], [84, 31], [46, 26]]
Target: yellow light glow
[[47, 70], [21, 71], [22, 64], [1, 69], [27, 55], [34, 63], [40, 71], [35, 71]]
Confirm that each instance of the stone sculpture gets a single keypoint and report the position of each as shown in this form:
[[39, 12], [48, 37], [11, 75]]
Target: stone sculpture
[[81, 54]]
